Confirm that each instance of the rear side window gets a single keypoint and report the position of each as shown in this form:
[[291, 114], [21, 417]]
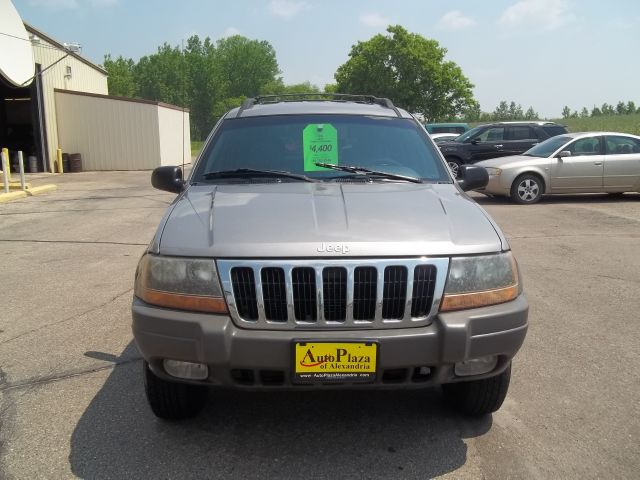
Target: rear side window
[[521, 133], [622, 145], [553, 130], [447, 129]]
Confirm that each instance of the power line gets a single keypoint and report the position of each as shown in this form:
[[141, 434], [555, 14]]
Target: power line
[[52, 47]]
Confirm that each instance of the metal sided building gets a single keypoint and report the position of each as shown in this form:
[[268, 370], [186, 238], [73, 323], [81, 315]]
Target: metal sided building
[[51, 97]]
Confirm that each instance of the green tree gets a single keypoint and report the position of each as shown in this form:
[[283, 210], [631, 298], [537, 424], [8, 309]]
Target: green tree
[[631, 107], [410, 70], [584, 113], [162, 76], [621, 108], [566, 112], [596, 112], [121, 81], [531, 114], [501, 113], [515, 111], [472, 113], [279, 88], [245, 66]]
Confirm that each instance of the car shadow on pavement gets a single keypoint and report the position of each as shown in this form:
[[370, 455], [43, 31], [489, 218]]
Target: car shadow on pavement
[[310, 434], [587, 198]]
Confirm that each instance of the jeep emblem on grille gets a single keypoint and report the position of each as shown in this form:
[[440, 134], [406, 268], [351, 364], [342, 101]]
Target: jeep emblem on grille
[[333, 248]]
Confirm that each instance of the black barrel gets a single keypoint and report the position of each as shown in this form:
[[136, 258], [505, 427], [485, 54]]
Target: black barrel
[[65, 162], [75, 162]]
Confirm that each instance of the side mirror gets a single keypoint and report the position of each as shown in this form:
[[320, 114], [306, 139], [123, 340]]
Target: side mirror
[[475, 141], [168, 179], [471, 177], [564, 153]]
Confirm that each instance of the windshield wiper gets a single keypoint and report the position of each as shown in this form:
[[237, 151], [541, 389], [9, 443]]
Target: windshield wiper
[[250, 172], [366, 171]]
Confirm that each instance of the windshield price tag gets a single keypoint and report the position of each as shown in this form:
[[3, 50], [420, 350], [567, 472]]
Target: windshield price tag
[[320, 141]]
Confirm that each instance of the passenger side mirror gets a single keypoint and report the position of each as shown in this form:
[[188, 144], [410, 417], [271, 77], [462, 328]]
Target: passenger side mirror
[[564, 153], [472, 177], [168, 179]]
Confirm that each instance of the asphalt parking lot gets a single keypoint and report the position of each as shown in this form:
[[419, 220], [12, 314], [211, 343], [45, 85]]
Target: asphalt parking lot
[[72, 403]]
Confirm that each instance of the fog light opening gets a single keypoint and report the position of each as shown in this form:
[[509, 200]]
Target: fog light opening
[[476, 366], [186, 370]]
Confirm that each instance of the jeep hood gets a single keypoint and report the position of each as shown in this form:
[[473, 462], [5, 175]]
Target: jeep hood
[[326, 219]]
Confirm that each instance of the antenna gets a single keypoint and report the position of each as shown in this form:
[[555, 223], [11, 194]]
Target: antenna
[[184, 88]]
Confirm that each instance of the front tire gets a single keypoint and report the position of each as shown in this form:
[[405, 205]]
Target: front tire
[[173, 400], [478, 397], [527, 189]]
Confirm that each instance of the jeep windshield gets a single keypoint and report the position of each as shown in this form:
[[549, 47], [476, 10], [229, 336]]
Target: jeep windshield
[[294, 144]]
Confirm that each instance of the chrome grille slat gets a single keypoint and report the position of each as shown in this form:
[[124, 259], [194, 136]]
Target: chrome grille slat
[[333, 293]]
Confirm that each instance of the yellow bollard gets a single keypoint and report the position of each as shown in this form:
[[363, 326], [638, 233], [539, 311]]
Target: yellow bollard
[[5, 151], [59, 160]]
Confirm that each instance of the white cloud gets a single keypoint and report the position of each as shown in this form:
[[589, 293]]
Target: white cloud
[[55, 4], [548, 14], [374, 20], [230, 32], [104, 3], [71, 4], [455, 20], [287, 8]]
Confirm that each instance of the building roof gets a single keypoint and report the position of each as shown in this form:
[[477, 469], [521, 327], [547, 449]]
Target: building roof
[[50, 40], [123, 99]]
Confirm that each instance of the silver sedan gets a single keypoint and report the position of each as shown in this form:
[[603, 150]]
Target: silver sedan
[[589, 162]]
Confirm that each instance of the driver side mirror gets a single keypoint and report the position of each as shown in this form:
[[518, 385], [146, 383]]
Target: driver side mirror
[[168, 179], [564, 153], [476, 141], [472, 177]]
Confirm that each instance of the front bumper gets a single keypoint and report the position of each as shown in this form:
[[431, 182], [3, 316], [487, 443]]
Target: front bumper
[[244, 358], [496, 186]]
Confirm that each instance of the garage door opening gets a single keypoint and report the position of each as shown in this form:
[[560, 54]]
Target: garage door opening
[[21, 125]]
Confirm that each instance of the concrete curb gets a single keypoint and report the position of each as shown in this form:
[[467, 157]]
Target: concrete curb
[[8, 197], [50, 187]]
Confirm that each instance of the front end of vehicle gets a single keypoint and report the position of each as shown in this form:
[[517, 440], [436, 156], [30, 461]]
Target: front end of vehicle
[[239, 323]]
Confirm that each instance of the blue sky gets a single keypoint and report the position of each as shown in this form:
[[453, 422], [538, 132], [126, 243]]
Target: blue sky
[[544, 53]]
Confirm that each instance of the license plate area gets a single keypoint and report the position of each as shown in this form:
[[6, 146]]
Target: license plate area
[[334, 362]]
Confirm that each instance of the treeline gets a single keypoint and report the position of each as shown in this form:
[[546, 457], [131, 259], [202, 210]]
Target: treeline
[[505, 111], [210, 77], [622, 108], [205, 77]]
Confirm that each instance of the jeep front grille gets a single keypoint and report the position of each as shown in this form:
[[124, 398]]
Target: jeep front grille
[[333, 293]]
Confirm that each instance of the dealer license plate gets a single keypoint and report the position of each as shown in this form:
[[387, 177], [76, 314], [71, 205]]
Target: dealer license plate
[[328, 362]]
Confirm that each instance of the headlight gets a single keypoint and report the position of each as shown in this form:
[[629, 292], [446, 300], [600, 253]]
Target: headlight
[[479, 281], [494, 172], [182, 283]]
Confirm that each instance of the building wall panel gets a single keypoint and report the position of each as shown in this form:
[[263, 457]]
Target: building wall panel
[[175, 145], [83, 78], [110, 134]]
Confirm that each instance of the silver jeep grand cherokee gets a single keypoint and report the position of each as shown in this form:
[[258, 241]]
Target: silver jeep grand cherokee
[[322, 242]]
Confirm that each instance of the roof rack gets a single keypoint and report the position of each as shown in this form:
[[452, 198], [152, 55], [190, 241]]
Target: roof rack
[[335, 97]]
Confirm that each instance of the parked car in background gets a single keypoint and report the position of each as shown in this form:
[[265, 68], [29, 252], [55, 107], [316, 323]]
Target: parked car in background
[[497, 140], [443, 137], [447, 127], [590, 162]]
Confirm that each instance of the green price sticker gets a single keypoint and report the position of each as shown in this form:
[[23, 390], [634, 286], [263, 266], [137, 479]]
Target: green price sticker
[[320, 143]]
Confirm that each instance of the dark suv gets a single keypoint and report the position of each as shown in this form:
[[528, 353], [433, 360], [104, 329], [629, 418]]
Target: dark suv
[[497, 140]]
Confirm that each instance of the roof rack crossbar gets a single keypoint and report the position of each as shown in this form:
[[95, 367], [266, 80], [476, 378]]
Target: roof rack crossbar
[[263, 99]]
